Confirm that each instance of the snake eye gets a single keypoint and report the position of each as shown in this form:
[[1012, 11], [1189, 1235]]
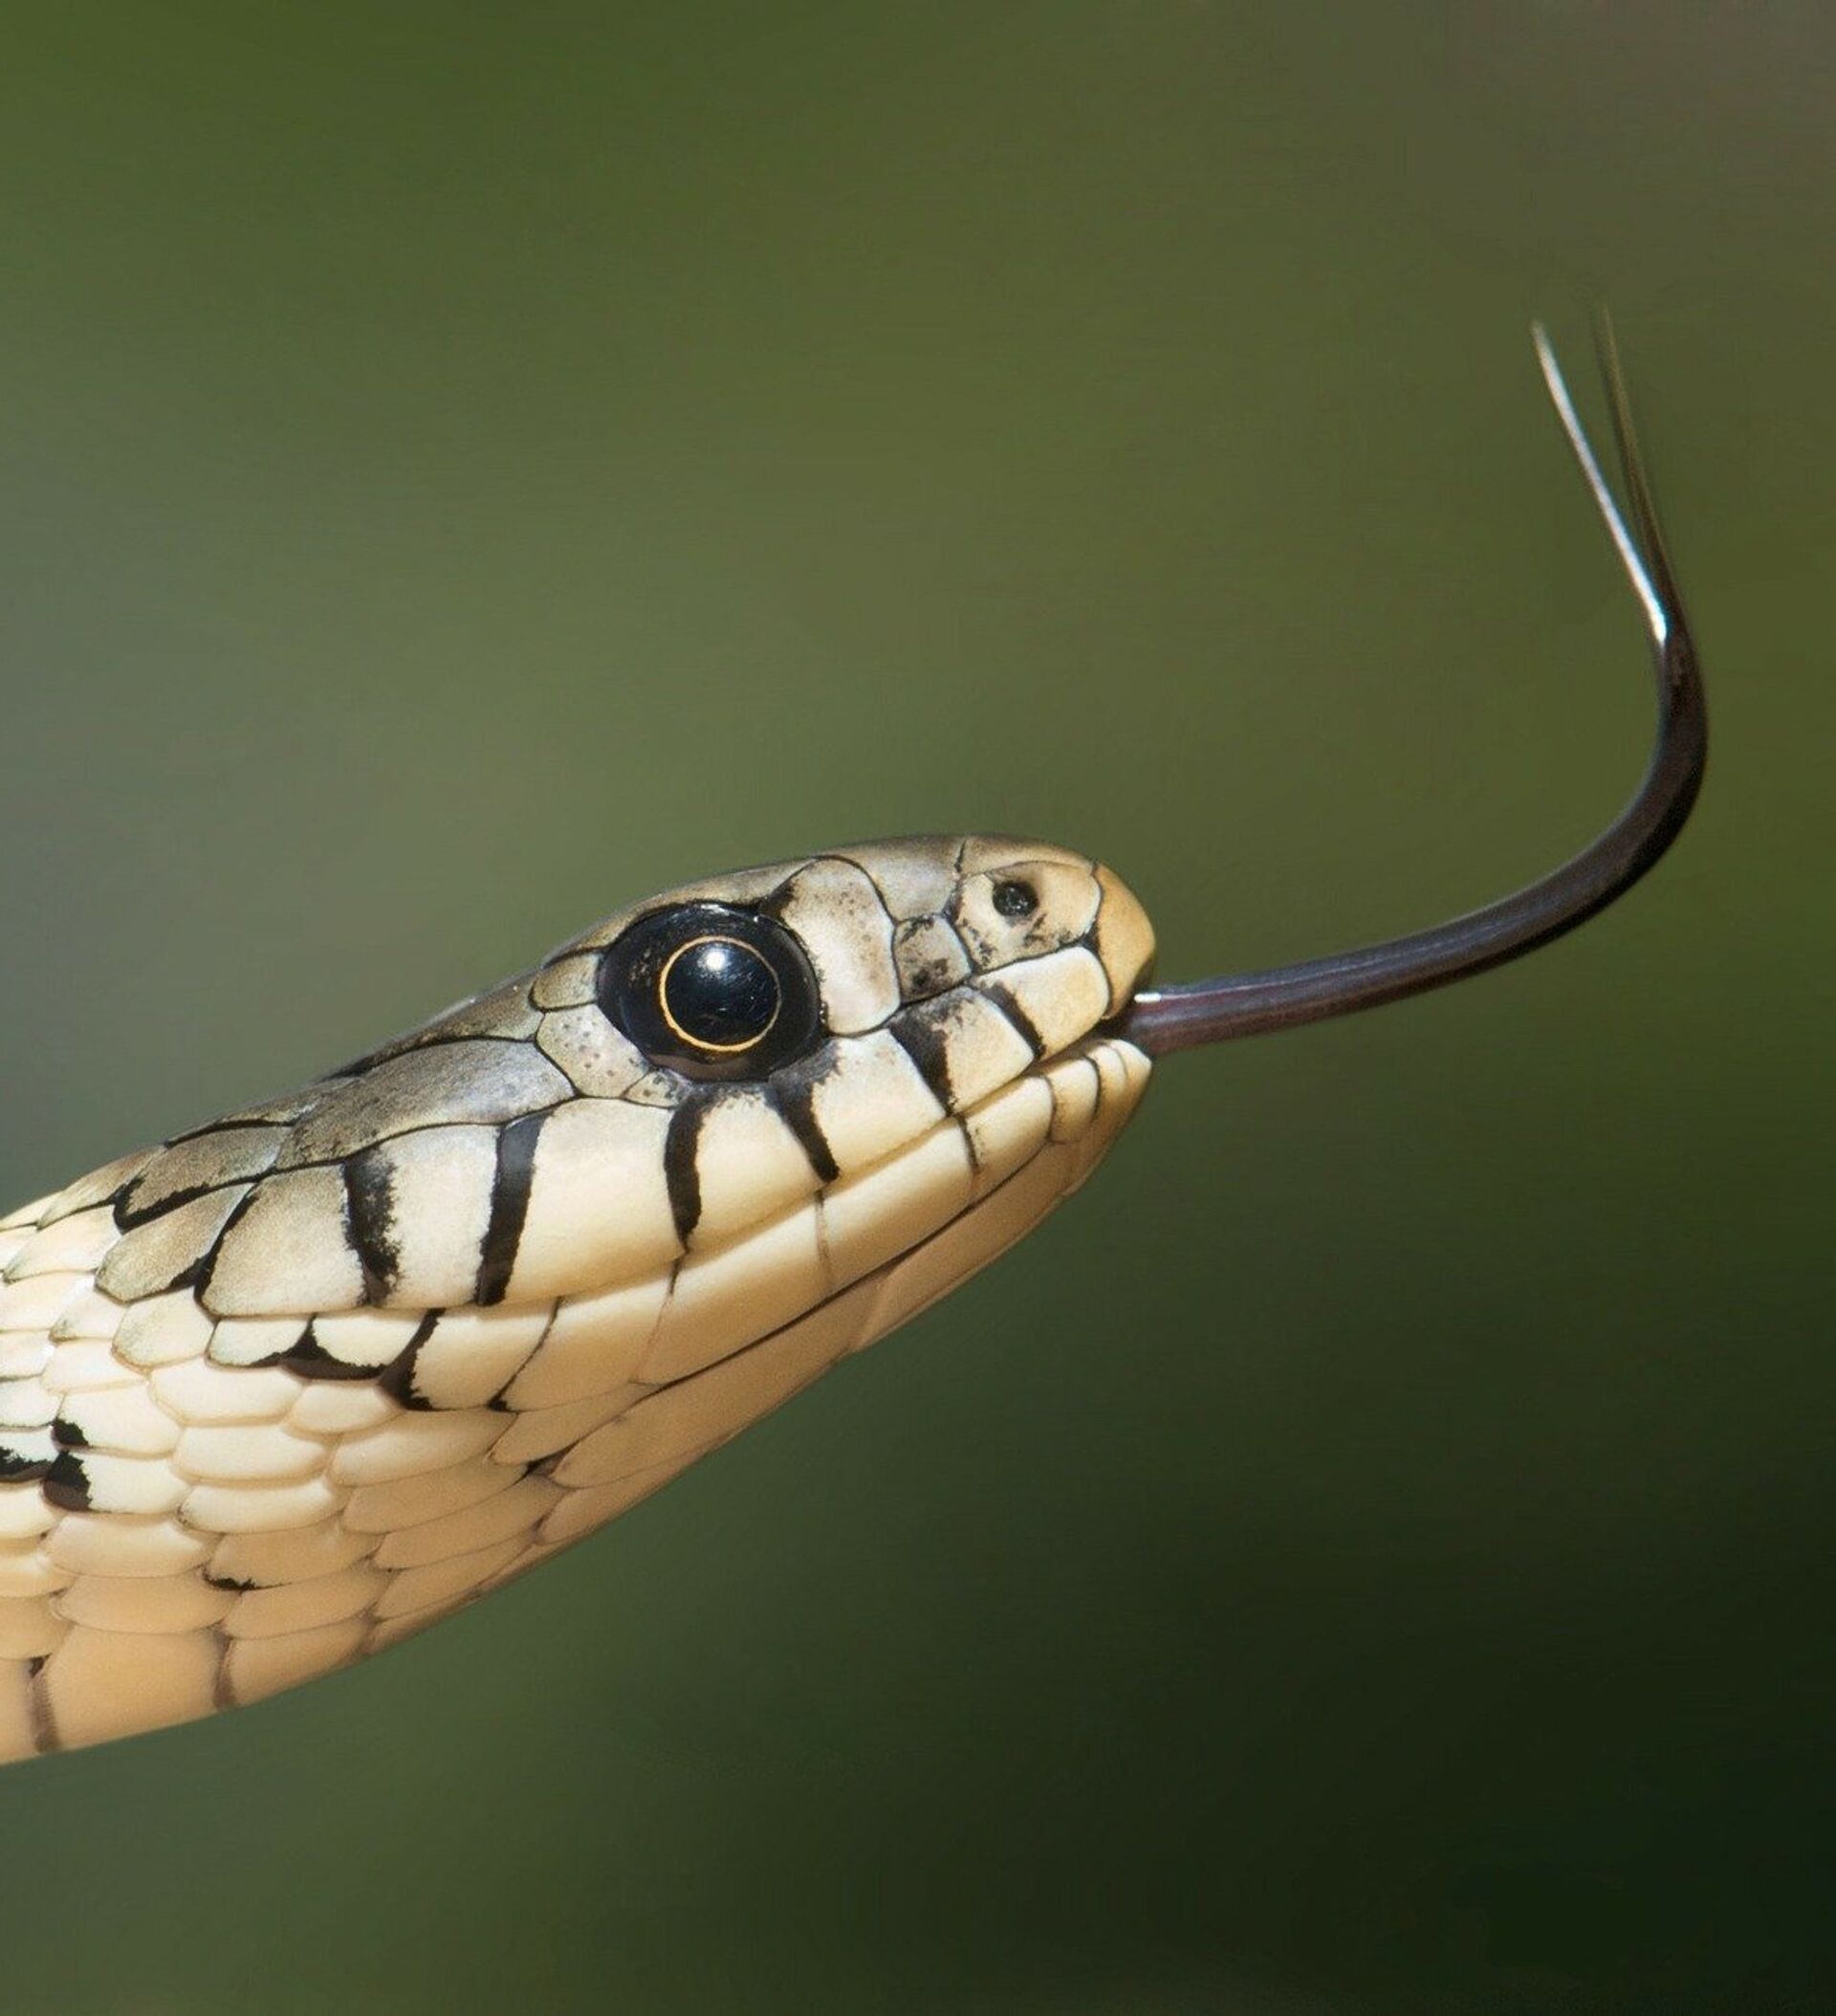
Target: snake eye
[[711, 992]]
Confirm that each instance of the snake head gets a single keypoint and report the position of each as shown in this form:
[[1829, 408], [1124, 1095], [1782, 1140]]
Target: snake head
[[716, 1060], [712, 1058]]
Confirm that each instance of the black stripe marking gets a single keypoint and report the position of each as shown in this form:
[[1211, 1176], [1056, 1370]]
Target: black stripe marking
[[679, 1168], [777, 900], [369, 1213], [66, 1483], [311, 1360], [197, 1276], [232, 1123], [44, 1724], [17, 1469], [924, 1036], [67, 1436], [397, 1378], [133, 1207], [223, 1690], [128, 1213], [509, 1207], [1005, 999], [796, 1104]]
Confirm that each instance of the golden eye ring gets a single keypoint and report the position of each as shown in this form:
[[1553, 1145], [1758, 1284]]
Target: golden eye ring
[[725, 982]]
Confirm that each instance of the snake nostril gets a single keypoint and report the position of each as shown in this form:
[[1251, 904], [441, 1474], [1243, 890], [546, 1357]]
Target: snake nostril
[[1015, 899]]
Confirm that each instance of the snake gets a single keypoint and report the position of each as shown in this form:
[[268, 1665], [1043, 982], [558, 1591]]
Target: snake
[[284, 1389]]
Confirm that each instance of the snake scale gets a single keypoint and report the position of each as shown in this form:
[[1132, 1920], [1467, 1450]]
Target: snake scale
[[288, 1388]]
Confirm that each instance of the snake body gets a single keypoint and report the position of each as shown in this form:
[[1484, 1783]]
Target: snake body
[[290, 1387]]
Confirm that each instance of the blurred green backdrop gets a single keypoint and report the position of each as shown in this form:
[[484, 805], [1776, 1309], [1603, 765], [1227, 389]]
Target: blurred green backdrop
[[464, 467]]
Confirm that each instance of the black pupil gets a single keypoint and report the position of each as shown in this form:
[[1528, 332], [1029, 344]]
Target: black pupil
[[720, 993], [1014, 899]]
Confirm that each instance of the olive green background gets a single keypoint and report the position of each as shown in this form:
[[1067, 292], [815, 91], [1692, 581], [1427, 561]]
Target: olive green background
[[463, 468]]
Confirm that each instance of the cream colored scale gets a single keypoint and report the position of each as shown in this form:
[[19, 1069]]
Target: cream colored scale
[[260, 1423]]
